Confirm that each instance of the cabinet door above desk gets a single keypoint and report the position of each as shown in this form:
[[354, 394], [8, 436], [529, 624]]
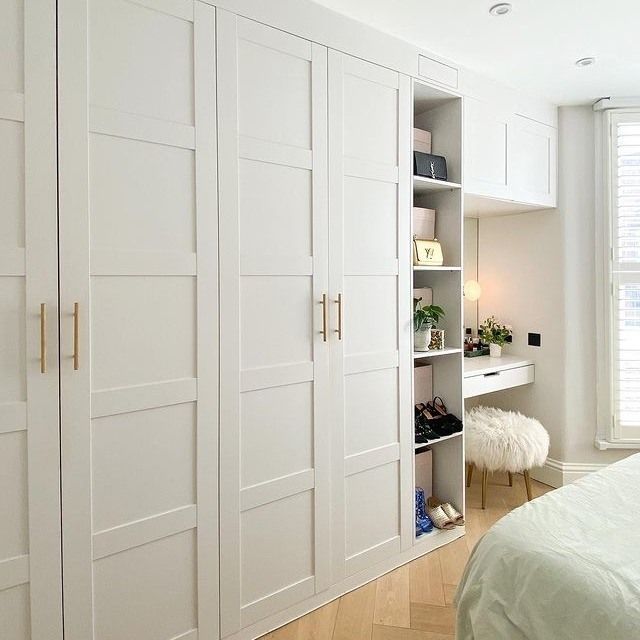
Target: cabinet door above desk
[[509, 157]]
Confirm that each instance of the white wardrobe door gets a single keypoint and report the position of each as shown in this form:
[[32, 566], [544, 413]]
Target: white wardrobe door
[[138, 246], [273, 273], [30, 579], [369, 149]]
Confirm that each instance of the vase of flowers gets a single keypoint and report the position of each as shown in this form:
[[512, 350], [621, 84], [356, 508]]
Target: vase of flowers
[[425, 318], [496, 334]]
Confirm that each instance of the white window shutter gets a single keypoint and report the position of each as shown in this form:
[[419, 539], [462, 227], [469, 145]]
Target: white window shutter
[[625, 274]]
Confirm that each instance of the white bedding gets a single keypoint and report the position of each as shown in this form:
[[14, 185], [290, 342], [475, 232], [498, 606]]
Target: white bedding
[[563, 567]]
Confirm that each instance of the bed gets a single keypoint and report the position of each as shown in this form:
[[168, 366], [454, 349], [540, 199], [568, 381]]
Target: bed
[[563, 567]]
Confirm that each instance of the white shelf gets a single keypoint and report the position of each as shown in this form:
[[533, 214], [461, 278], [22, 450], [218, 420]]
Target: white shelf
[[419, 445], [438, 538], [436, 268], [417, 355], [426, 185]]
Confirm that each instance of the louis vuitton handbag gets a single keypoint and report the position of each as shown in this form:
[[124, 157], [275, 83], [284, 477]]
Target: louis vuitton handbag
[[427, 253]]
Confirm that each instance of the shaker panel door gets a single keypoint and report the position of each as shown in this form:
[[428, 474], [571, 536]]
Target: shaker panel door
[[30, 540], [485, 150], [273, 274], [532, 161], [369, 154], [138, 216]]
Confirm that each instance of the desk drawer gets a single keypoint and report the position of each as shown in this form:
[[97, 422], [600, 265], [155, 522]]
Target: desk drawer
[[504, 379]]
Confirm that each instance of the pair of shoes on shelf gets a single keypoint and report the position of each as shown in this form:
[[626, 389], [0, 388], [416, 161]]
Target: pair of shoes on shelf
[[443, 515], [423, 432], [423, 522], [440, 420]]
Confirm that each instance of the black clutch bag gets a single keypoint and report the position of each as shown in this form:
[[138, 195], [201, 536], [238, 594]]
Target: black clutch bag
[[429, 166]]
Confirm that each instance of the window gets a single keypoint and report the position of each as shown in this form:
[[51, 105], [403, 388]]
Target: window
[[621, 308]]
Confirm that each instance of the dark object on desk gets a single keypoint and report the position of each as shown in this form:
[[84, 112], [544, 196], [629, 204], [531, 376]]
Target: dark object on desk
[[478, 352], [428, 165]]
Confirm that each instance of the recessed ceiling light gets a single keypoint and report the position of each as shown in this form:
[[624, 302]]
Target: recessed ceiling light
[[500, 9], [585, 62]]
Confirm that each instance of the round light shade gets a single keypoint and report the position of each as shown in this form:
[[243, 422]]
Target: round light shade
[[472, 290]]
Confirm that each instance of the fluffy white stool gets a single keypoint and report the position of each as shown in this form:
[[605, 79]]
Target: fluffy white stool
[[497, 440]]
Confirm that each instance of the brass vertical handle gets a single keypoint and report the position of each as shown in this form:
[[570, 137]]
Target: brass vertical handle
[[43, 337], [339, 329], [324, 317], [76, 336]]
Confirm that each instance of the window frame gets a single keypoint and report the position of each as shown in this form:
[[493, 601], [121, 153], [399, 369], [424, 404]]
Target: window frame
[[609, 434]]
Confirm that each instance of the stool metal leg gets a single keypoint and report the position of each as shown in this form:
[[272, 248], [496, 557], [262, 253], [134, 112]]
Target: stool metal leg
[[485, 475], [527, 482], [469, 473], [510, 479]]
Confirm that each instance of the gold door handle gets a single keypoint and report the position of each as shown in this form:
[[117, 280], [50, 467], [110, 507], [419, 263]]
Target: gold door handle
[[43, 337], [76, 336], [339, 329], [323, 302]]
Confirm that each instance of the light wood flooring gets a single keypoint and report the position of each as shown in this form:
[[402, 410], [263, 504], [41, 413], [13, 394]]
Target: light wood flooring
[[413, 602]]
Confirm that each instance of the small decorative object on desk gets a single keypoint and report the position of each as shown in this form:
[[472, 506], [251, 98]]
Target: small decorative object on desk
[[437, 339], [480, 351], [496, 334], [424, 320]]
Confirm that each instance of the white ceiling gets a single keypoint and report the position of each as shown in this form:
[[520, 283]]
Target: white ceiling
[[533, 48]]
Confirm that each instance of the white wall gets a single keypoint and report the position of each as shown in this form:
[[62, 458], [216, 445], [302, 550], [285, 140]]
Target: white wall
[[576, 198], [520, 270], [470, 270], [537, 273]]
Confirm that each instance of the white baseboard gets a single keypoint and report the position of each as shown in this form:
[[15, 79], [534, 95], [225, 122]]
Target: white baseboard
[[556, 473]]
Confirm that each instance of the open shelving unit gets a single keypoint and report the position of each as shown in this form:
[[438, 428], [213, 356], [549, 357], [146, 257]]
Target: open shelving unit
[[440, 113]]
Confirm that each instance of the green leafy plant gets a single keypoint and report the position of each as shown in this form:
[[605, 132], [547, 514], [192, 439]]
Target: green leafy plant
[[425, 317], [494, 332]]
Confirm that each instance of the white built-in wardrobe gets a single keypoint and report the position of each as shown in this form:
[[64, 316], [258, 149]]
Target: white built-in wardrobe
[[206, 422], [315, 346], [108, 321]]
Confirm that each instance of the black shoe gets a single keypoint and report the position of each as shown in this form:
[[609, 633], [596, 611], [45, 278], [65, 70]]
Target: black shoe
[[423, 432], [437, 407], [436, 422]]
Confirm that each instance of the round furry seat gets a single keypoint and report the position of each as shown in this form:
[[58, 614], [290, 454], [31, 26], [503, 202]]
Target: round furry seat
[[498, 440]]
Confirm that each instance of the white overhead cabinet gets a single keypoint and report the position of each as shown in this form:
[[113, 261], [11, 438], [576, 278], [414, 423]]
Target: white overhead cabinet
[[508, 157], [486, 131], [138, 319], [30, 561], [532, 161]]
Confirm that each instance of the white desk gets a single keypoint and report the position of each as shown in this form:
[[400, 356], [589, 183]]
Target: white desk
[[484, 374]]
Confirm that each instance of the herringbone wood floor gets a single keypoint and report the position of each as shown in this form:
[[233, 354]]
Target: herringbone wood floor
[[414, 602]]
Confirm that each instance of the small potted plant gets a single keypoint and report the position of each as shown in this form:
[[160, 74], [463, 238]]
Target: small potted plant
[[424, 319], [495, 334]]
